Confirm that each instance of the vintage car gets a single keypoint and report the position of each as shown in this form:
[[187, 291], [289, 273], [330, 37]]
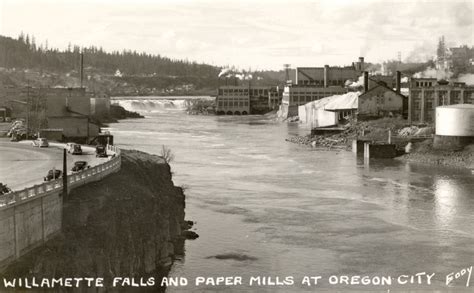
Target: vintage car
[[79, 166], [4, 189], [74, 149], [53, 174], [100, 151]]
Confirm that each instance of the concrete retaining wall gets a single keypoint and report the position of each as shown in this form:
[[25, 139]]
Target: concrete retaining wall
[[379, 150], [443, 142], [31, 216]]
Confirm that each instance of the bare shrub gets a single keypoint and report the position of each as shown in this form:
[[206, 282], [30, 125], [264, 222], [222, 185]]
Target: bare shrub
[[167, 154]]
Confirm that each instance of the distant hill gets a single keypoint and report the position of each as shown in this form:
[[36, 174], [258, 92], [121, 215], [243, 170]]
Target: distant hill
[[24, 62]]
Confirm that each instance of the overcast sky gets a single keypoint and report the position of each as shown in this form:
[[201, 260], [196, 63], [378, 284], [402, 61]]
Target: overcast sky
[[256, 34]]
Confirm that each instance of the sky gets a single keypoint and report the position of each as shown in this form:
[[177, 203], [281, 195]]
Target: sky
[[248, 34]]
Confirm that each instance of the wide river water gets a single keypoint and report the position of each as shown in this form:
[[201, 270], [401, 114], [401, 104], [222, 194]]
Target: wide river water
[[266, 207]]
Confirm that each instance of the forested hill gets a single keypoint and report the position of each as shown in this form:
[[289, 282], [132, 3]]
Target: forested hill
[[129, 68], [25, 62], [25, 53]]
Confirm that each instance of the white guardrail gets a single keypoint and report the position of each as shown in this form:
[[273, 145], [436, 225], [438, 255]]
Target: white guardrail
[[74, 180]]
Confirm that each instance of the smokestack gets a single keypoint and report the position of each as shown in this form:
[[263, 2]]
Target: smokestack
[[361, 63], [366, 81], [326, 73], [82, 68], [398, 82]]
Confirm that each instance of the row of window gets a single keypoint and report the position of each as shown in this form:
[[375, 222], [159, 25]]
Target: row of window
[[381, 100], [443, 99], [430, 105], [344, 115], [456, 94], [423, 83], [253, 92], [321, 82], [232, 104], [327, 93]]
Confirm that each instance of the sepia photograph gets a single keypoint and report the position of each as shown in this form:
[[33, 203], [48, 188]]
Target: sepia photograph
[[236, 146]]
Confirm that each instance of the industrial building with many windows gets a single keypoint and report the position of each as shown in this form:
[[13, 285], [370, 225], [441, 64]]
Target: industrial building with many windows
[[233, 100], [246, 99], [428, 93]]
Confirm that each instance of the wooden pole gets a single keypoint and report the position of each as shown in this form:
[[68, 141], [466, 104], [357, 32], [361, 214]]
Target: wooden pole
[[64, 173], [82, 68]]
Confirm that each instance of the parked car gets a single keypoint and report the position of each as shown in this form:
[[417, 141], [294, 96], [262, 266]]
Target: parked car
[[40, 142], [53, 174], [100, 151], [79, 166], [74, 149], [4, 189]]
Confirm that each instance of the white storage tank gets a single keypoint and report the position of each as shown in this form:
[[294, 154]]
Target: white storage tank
[[455, 120]]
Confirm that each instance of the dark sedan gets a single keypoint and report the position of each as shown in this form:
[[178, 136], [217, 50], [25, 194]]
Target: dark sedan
[[53, 174], [79, 166]]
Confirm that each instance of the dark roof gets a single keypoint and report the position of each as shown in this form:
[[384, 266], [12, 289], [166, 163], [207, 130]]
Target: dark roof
[[384, 86]]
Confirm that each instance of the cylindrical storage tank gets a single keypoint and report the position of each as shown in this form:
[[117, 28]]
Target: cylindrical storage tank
[[455, 120], [454, 127]]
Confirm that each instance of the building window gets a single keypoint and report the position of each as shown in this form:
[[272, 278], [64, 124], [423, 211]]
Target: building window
[[429, 104], [417, 105]]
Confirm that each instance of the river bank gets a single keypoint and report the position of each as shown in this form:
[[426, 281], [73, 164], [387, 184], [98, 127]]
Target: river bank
[[115, 114], [423, 152], [377, 130], [130, 224]]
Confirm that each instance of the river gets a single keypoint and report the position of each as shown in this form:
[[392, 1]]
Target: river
[[266, 207]]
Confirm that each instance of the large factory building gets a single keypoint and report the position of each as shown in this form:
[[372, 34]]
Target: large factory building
[[329, 75], [428, 93], [246, 99]]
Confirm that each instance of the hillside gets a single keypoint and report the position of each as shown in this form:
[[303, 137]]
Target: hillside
[[25, 63]]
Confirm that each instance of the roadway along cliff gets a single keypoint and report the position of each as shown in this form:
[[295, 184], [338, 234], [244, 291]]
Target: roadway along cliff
[[130, 224], [22, 165]]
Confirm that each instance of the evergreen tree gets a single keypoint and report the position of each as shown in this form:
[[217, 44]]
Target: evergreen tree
[[441, 50]]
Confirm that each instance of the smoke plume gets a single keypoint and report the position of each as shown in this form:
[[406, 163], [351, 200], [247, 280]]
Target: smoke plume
[[434, 73], [468, 78]]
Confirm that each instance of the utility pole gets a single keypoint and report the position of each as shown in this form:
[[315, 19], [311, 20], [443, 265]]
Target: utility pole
[[64, 173], [82, 68], [27, 109]]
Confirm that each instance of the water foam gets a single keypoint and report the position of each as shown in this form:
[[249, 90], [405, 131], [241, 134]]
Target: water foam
[[151, 105]]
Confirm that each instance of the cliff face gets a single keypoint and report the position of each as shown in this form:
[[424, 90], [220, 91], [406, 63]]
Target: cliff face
[[129, 224]]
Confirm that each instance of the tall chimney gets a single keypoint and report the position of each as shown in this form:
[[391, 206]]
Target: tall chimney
[[326, 77], [296, 77], [361, 63], [82, 68], [398, 82], [366, 81]]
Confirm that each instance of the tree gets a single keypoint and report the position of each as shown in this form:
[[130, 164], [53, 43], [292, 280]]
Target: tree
[[441, 51], [167, 154]]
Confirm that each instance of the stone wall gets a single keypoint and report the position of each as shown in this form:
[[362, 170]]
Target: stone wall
[[129, 224]]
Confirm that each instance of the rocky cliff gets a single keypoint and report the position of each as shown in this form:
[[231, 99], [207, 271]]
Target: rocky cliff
[[130, 224]]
